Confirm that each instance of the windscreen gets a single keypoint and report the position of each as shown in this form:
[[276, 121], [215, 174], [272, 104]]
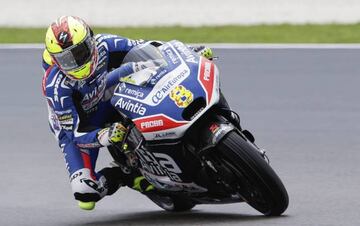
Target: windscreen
[[148, 61], [143, 53]]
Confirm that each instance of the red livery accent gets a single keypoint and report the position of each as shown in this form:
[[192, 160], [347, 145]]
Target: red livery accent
[[206, 77], [87, 164], [214, 127], [156, 123], [62, 32], [47, 72]]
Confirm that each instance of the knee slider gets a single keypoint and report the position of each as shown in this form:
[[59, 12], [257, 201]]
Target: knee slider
[[87, 197]]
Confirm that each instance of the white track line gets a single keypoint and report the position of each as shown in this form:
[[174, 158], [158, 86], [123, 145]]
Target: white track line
[[224, 46], [22, 46], [281, 46]]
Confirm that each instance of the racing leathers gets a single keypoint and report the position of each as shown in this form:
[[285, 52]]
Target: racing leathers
[[80, 113]]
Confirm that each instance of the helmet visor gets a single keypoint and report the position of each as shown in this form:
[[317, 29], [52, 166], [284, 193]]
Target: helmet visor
[[75, 56]]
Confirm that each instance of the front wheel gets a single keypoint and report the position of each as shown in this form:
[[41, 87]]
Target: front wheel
[[257, 182]]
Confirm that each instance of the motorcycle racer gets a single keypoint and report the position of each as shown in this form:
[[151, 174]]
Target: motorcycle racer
[[81, 71]]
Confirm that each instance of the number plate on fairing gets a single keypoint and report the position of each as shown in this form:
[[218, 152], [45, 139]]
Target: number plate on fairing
[[164, 173]]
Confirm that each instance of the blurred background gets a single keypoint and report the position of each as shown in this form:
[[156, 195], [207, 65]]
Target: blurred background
[[246, 21], [290, 68]]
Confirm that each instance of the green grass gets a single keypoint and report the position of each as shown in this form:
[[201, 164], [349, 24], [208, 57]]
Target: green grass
[[330, 33]]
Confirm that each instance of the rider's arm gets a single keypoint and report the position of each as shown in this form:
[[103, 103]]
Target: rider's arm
[[113, 77], [117, 48], [69, 121], [62, 107]]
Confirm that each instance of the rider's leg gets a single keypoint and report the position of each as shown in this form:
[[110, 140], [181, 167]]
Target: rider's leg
[[87, 185]]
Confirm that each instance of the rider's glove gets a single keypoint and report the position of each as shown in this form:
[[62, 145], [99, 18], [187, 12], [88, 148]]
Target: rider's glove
[[117, 133], [113, 134], [204, 51]]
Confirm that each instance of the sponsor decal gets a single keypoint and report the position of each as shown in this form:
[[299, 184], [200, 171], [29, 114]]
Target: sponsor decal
[[134, 42], [181, 96], [102, 53], [102, 133], [214, 128], [197, 113], [121, 87], [134, 93], [158, 76], [65, 117], [151, 124], [89, 145], [63, 112], [156, 123], [206, 77], [81, 83], [75, 176], [174, 59], [66, 120], [100, 38], [220, 132], [57, 83], [63, 37], [165, 89], [92, 185], [184, 50], [55, 122], [70, 82], [166, 134], [159, 164], [68, 128], [130, 106], [92, 98], [207, 70]]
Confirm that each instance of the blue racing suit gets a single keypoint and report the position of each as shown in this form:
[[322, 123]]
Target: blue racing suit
[[79, 110]]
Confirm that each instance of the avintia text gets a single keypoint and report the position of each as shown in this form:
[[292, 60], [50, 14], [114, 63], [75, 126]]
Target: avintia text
[[128, 105]]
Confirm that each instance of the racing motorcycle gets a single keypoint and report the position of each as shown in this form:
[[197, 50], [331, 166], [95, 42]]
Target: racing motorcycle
[[181, 136]]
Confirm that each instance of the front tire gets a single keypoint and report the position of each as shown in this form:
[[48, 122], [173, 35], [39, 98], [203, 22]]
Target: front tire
[[258, 183]]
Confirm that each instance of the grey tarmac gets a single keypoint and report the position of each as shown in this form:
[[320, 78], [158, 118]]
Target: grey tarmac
[[301, 104]]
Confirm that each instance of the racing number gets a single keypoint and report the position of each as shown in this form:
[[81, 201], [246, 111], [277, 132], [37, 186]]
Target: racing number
[[167, 162], [181, 96]]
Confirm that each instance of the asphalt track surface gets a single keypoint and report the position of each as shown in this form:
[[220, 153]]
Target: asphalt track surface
[[302, 105]]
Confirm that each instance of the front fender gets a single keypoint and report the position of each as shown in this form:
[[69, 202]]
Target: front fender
[[213, 131]]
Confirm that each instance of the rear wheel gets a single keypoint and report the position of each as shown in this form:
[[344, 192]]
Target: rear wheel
[[257, 183], [171, 203]]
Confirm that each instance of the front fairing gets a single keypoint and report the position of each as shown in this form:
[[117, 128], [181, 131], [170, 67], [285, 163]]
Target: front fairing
[[165, 99]]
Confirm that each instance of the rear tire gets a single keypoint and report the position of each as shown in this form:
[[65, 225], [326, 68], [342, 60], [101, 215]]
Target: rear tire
[[171, 203], [258, 183]]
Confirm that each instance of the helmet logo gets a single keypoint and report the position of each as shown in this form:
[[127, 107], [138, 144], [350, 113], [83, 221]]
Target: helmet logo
[[63, 37], [61, 32]]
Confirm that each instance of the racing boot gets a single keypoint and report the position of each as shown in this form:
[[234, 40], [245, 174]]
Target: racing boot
[[114, 178], [142, 185], [112, 182]]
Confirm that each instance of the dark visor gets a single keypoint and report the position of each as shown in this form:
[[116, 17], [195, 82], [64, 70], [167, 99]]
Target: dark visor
[[75, 56]]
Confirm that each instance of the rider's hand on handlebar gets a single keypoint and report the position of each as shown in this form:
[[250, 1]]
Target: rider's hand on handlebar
[[117, 133], [204, 51], [113, 134]]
